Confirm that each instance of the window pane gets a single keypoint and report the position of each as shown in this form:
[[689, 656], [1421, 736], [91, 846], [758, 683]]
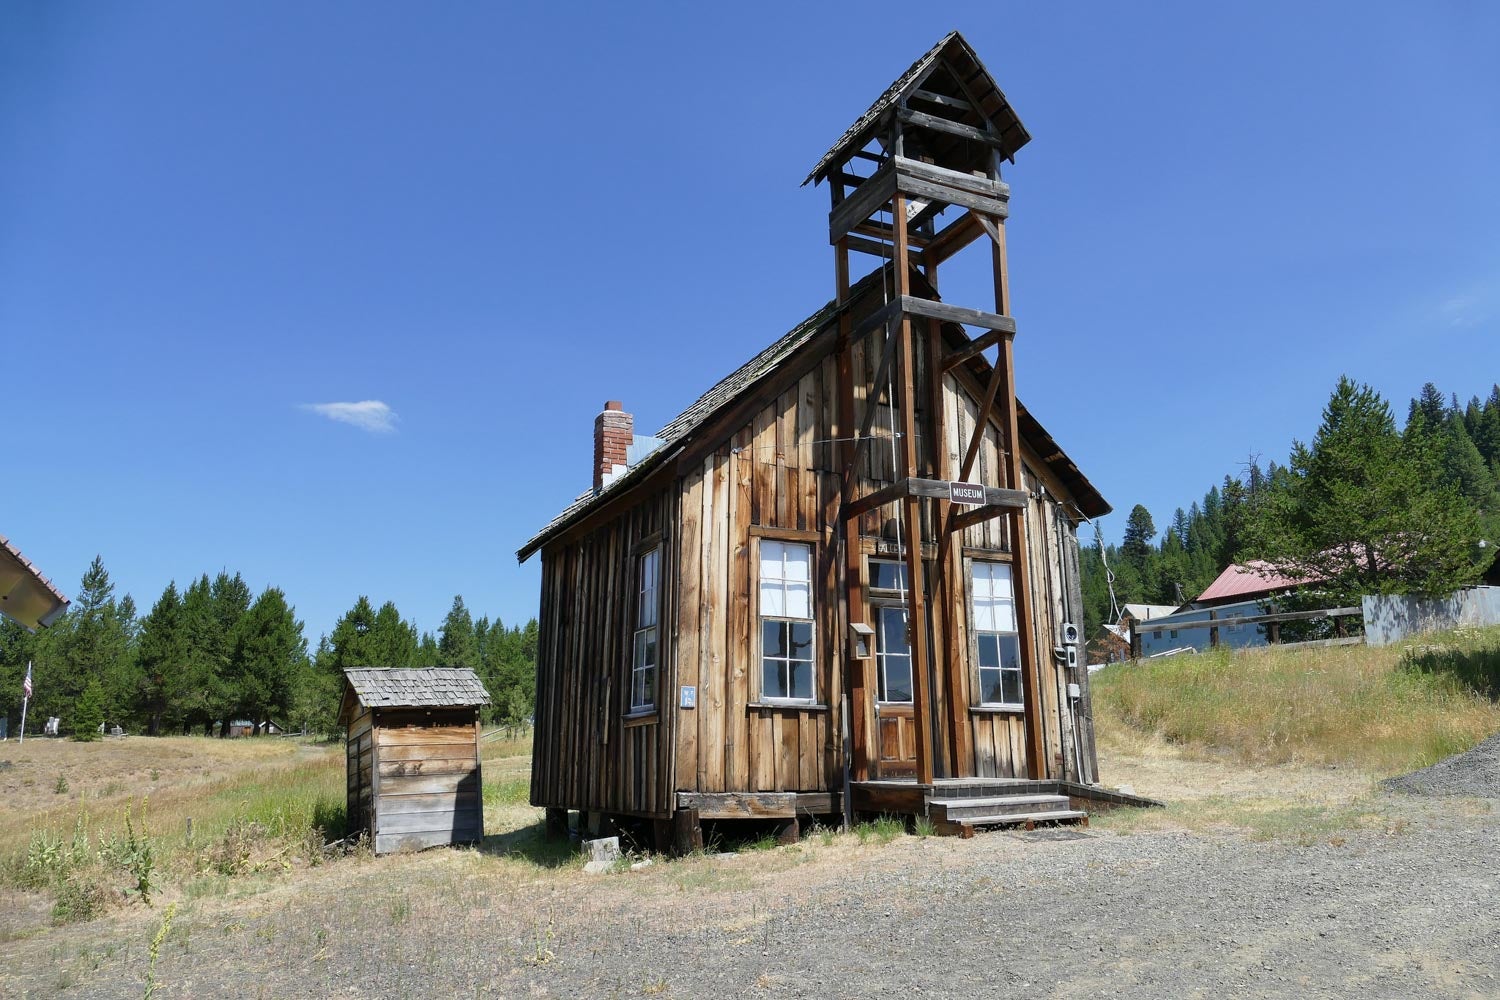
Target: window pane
[[646, 613], [893, 631], [1012, 681], [773, 639], [770, 559], [989, 686], [648, 686], [802, 640], [797, 601], [981, 581], [640, 650], [801, 679], [989, 650], [771, 679], [798, 562], [896, 679], [887, 575], [648, 570], [984, 615], [650, 660], [772, 599], [1010, 651]]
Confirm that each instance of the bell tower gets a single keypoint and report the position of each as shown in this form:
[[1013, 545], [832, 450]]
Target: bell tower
[[914, 181]]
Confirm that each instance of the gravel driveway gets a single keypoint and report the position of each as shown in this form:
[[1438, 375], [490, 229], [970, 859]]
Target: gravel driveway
[[1400, 906]]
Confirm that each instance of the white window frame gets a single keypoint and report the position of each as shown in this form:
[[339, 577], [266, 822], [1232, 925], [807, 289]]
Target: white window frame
[[643, 668], [998, 635], [786, 586], [883, 599]]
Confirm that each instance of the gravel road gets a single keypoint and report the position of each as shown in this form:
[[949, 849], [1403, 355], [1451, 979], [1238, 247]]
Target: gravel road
[[1399, 904]]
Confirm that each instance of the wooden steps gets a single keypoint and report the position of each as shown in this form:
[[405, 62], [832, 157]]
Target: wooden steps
[[958, 814]]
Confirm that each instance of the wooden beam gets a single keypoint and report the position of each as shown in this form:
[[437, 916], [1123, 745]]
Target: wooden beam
[[863, 202], [876, 248], [924, 120], [1157, 624], [872, 400], [978, 515], [928, 489], [981, 421], [858, 753], [951, 196], [954, 237], [956, 314], [916, 566], [944, 177], [932, 97], [978, 346]]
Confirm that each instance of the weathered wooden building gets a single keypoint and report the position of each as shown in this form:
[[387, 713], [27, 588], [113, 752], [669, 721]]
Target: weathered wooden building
[[846, 577], [412, 743]]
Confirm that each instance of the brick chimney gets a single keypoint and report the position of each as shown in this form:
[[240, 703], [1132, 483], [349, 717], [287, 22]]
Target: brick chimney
[[614, 429]]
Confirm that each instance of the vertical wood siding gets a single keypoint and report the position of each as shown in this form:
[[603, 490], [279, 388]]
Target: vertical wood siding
[[777, 470], [587, 754]]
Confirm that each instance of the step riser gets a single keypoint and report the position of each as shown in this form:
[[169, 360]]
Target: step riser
[[969, 812]]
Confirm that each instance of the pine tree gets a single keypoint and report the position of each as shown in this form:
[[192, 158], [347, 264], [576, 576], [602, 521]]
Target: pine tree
[[351, 640], [1363, 509], [163, 651], [392, 642], [270, 651], [456, 645], [1139, 532], [88, 712]]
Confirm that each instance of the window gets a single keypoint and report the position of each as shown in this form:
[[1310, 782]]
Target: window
[[886, 574], [1174, 633], [643, 663], [892, 654], [1156, 634], [786, 621], [999, 646]]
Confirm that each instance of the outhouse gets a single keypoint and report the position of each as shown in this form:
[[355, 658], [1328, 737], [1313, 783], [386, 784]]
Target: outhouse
[[412, 743]]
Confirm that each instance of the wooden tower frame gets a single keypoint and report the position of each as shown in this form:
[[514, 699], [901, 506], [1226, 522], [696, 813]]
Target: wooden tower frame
[[935, 140]]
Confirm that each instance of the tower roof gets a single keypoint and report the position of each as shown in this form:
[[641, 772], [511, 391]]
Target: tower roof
[[957, 73]]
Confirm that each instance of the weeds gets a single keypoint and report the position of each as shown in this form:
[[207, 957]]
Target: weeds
[[61, 787], [153, 951], [1384, 710]]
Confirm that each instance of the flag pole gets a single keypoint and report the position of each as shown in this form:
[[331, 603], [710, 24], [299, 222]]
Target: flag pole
[[24, 703]]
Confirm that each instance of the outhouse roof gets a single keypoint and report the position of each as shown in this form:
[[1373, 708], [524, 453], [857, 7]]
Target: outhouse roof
[[419, 687]]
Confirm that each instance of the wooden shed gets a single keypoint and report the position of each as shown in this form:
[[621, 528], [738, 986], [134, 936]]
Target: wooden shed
[[846, 578], [412, 742]]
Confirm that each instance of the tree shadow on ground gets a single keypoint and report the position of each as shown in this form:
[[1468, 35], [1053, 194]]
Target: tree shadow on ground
[[531, 843], [1477, 669]]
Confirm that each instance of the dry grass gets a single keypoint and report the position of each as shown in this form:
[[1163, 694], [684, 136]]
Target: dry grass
[[1383, 711]]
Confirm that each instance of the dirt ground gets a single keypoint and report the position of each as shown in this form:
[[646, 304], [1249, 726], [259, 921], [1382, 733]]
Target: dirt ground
[[1276, 882]]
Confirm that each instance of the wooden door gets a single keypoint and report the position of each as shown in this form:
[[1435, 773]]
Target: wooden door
[[895, 721]]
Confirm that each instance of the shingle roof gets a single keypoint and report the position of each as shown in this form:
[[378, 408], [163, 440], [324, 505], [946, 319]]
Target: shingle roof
[[856, 136], [423, 687], [1086, 497]]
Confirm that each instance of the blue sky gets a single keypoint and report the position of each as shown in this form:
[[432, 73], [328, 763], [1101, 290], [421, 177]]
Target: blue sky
[[491, 220]]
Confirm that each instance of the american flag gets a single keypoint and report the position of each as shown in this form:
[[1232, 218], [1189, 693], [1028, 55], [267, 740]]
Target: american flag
[[26, 684]]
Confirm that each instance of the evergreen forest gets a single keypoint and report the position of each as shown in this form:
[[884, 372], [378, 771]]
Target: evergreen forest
[[214, 652], [1364, 507]]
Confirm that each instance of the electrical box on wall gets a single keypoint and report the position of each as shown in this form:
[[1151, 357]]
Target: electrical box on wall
[[1071, 635], [861, 641]]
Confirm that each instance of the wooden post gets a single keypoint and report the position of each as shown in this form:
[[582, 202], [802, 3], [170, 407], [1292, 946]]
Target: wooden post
[[1015, 479], [557, 824], [916, 575], [858, 679], [689, 831], [1213, 631]]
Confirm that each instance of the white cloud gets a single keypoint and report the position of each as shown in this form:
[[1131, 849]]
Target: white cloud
[[369, 415]]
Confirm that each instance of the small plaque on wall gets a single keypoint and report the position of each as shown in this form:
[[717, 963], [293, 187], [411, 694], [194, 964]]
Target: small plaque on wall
[[689, 696]]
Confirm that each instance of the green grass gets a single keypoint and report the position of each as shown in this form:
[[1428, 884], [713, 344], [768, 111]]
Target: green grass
[[1385, 710]]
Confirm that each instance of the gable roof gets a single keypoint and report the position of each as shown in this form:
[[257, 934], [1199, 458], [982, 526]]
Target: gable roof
[[1146, 612], [954, 50], [419, 687], [26, 596], [677, 431], [1248, 580]]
